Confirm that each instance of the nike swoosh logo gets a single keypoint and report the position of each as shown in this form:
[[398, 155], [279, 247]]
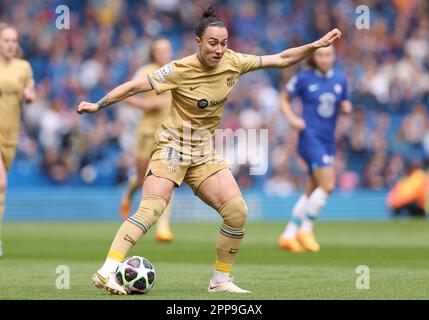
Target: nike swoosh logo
[[211, 288], [104, 280], [193, 88]]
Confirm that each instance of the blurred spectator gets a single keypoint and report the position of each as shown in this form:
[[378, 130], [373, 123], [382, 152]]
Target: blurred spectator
[[279, 184]]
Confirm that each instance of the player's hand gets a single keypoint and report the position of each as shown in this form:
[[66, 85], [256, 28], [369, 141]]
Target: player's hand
[[328, 38], [297, 124], [28, 94], [346, 107], [87, 107]]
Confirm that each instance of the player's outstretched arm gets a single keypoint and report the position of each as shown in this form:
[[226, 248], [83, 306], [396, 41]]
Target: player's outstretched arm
[[291, 56], [119, 93], [296, 122], [147, 103]]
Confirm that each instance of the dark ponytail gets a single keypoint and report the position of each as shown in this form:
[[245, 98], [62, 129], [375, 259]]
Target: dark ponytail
[[209, 18]]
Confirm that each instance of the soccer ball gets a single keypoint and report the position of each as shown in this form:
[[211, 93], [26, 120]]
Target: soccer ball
[[136, 275]]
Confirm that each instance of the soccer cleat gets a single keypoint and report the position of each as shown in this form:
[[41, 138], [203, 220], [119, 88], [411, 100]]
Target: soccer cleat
[[308, 241], [291, 244], [164, 235], [227, 286], [108, 281], [125, 208]]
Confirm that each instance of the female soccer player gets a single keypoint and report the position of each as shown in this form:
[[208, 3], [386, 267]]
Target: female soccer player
[[323, 92], [16, 85], [200, 85], [156, 108]]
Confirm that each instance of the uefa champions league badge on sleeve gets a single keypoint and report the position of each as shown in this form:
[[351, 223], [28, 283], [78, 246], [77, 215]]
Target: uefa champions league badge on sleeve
[[167, 70]]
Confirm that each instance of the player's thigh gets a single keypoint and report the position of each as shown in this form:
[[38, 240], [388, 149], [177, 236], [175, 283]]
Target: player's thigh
[[158, 186], [218, 188], [325, 178], [164, 173]]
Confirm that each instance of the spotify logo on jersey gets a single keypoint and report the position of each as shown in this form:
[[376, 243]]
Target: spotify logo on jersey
[[202, 104]]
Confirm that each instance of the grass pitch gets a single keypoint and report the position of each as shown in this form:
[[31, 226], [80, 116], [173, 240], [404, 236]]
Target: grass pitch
[[396, 252]]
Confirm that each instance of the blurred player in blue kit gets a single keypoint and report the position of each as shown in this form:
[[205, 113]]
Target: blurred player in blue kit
[[323, 92]]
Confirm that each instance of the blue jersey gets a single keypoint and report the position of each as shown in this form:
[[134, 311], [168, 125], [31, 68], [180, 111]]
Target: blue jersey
[[321, 97]]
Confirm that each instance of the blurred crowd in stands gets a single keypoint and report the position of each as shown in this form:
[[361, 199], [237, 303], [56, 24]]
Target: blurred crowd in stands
[[387, 67]]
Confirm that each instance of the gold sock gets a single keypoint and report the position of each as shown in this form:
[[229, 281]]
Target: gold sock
[[126, 237], [132, 229], [234, 214], [227, 245]]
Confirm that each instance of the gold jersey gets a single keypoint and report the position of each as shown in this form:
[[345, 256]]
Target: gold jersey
[[151, 118], [14, 77], [199, 94]]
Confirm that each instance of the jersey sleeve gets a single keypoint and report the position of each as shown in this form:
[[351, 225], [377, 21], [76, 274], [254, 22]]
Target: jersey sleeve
[[167, 77], [247, 62], [29, 79], [294, 85]]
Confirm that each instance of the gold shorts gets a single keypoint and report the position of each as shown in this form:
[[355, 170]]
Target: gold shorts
[[7, 153], [167, 162]]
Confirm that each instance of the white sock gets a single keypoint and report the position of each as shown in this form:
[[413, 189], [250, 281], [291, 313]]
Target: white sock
[[110, 265], [298, 214], [219, 276], [307, 226], [316, 202]]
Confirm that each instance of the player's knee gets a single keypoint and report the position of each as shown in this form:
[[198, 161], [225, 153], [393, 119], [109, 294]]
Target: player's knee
[[150, 209], [234, 212], [328, 187]]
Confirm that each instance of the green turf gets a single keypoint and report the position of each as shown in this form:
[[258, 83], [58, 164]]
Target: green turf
[[397, 253]]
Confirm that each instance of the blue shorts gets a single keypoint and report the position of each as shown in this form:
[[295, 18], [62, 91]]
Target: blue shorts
[[316, 152]]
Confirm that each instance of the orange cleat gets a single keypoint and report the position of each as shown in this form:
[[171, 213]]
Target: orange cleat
[[290, 244], [125, 208], [308, 241], [164, 235]]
